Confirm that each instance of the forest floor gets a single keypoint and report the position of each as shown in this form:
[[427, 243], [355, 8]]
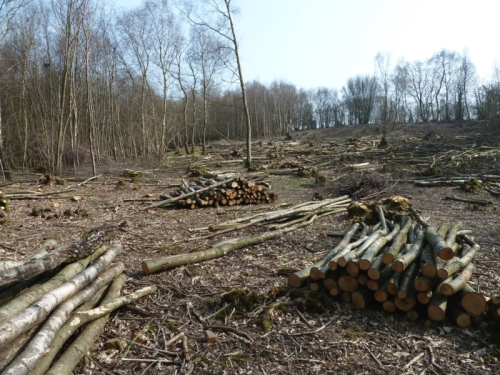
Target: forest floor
[[308, 333]]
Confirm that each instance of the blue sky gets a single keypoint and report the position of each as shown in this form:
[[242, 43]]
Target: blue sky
[[314, 43]]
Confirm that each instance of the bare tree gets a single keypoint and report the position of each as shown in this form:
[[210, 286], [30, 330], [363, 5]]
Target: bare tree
[[217, 17], [382, 68], [359, 96]]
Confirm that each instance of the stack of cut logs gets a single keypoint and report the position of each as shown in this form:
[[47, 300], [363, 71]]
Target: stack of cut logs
[[208, 192], [41, 309], [408, 266]]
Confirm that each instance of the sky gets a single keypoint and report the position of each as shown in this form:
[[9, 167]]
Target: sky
[[314, 43]]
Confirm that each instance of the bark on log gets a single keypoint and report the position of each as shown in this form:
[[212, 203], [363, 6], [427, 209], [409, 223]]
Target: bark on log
[[397, 243], [377, 265], [36, 313], [423, 284], [319, 267], [393, 285], [452, 234], [424, 297], [29, 358], [357, 252], [438, 303], [67, 254], [172, 200], [73, 355], [452, 267], [39, 253], [23, 301], [458, 314], [427, 262], [440, 247], [406, 285], [453, 286], [353, 267], [332, 265], [67, 331], [474, 303], [409, 256], [366, 259]]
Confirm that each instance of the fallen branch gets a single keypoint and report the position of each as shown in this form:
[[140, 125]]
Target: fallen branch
[[481, 202]]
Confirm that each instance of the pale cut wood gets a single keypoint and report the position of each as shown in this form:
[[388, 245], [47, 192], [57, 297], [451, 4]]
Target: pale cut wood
[[389, 306], [453, 267], [71, 357], [357, 252], [472, 302], [28, 359], [37, 312], [453, 286], [404, 260], [397, 244], [371, 252], [43, 250], [23, 301]]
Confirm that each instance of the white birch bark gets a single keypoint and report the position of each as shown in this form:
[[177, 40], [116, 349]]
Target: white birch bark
[[28, 359], [40, 253], [38, 312]]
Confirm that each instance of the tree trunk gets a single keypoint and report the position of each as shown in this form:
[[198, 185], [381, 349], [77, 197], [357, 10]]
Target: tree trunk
[[76, 251], [37, 313], [28, 359]]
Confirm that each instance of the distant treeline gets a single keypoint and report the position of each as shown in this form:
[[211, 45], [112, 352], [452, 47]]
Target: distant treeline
[[81, 81]]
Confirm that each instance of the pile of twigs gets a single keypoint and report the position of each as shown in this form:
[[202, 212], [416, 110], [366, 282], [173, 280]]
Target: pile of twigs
[[41, 309], [408, 266]]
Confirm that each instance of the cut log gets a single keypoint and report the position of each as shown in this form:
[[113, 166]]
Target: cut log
[[393, 285], [404, 260], [354, 254], [347, 283], [332, 265], [424, 297], [353, 267], [377, 265], [221, 249], [440, 247], [438, 303], [346, 296], [427, 262], [43, 250], [24, 300], [397, 244], [85, 341], [29, 358], [407, 280], [472, 302], [452, 267], [361, 298], [35, 314], [321, 266], [451, 287], [423, 284], [458, 314], [452, 234], [389, 306], [405, 304], [67, 254], [366, 259], [362, 279]]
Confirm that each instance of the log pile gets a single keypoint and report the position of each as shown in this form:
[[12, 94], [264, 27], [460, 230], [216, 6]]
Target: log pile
[[205, 192], [407, 265], [41, 306]]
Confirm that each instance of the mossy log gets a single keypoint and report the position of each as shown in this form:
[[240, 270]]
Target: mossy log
[[453, 286], [397, 244], [474, 303]]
